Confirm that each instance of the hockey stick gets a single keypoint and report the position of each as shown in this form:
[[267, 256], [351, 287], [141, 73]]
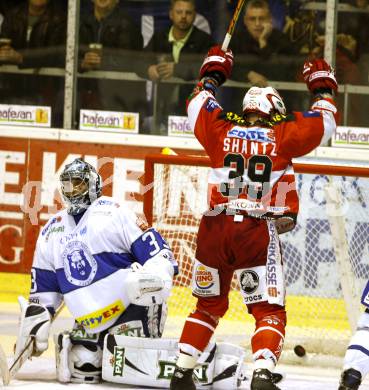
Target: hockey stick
[[232, 25], [8, 373]]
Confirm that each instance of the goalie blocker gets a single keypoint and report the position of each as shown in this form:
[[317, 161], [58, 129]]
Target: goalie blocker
[[151, 362]]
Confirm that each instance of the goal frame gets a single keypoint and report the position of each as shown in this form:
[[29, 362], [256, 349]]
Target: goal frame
[[304, 166], [204, 161]]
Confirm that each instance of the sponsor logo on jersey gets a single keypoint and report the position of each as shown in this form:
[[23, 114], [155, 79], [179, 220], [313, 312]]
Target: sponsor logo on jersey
[[104, 202], [245, 205], [272, 259], [68, 237], [105, 213], [102, 316], [249, 281], [211, 105], [83, 231], [278, 118], [118, 361], [79, 265], [203, 277], [252, 134], [253, 298], [166, 370], [48, 226], [54, 229], [311, 114]]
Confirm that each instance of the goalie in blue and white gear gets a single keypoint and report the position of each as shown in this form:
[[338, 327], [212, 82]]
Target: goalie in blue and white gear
[[113, 272], [356, 362]]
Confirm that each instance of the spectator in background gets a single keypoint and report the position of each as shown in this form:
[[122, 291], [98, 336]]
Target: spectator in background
[[176, 52], [259, 45], [33, 36], [109, 41], [355, 27]]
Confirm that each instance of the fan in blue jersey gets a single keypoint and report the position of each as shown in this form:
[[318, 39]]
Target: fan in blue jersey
[[112, 271], [356, 363]]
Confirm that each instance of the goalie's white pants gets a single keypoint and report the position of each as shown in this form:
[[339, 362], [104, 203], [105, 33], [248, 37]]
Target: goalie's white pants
[[151, 362], [357, 354]]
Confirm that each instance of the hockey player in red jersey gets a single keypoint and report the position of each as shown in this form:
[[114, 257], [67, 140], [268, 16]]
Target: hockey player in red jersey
[[253, 199]]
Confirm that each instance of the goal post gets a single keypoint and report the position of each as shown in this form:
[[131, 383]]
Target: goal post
[[326, 255]]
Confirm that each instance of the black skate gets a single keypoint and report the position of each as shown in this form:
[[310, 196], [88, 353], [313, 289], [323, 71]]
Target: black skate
[[182, 379], [262, 379], [350, 380]]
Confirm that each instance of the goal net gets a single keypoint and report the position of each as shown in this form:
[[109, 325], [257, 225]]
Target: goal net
[[325, 256]]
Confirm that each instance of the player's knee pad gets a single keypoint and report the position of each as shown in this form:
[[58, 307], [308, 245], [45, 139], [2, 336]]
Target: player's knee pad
[[76, 362]]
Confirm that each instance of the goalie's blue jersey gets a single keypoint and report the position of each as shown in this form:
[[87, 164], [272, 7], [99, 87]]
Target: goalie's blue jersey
[[86, 264]]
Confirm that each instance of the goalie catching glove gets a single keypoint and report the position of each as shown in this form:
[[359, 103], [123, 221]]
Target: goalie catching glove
[[319, 75], [151, 283], [217, 64], [35, 322]]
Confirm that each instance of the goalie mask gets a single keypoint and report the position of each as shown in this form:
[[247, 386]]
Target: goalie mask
[[80, 185], [265, 101]]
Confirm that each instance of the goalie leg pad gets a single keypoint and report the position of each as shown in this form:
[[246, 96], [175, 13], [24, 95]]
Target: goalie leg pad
[[77, 363], [141, 321], [229, 369], [149, 362]]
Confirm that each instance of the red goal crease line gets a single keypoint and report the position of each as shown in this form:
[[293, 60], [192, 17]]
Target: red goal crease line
[[204, 161]]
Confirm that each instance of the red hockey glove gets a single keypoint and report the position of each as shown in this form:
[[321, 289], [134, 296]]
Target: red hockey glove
[[217, 62], [319, 74]]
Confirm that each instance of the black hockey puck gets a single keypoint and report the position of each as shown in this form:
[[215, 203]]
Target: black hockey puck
[[299, 350]]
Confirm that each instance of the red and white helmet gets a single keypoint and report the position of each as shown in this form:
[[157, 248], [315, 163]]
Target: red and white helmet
[[265, 101]]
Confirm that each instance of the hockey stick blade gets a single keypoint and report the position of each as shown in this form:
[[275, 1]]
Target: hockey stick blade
[[22, 358], [4, 370]]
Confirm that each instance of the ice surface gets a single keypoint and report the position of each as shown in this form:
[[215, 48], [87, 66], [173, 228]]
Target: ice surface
[[39, 373]]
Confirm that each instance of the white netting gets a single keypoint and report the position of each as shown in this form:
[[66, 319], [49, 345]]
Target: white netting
[[317, 317]]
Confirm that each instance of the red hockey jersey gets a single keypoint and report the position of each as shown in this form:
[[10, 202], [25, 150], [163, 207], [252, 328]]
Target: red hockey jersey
[[252, 168]]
